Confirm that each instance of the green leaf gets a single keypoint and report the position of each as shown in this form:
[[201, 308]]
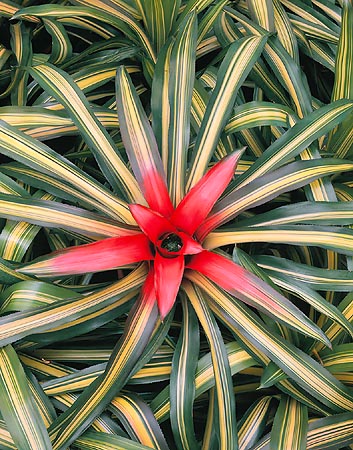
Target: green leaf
[[93, 400], [61, 45], [59, 84], [48, 213], [18, 407], [182, 380], [264, 188], [158, 17], [316, 278], [222, 374], [22, 148], [236, 65], [289, 429], [296, 364], [92, 440], [137, 417], [297, 138], [19, 325], [171, 103], [253, 422]]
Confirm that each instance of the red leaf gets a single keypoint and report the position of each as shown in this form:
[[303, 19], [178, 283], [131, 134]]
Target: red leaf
[[199, 201], [148, 292], [168, 276], [153, 224], [191, 247], [155, 191], [101, 255]]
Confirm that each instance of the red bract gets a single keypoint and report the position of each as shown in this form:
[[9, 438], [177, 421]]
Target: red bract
[[167, 237]]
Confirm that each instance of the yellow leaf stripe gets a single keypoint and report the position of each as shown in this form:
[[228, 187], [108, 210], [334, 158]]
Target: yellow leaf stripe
[[223, 381], [180, 93], [285, 30], [304, 134], [50, 214], [326, 389], [234, 203], [63, 45], [182, 383], [121, 13], [240, 61], [289, 425], [86, 23], [18, 406], [60, 188], [67, 310], [137, 419], [249, 426], [315, 31], [141, 321], [238, 359], [100, 141], [263, 113], [8, 9], [338, 240], [262, 13], [25, 149]]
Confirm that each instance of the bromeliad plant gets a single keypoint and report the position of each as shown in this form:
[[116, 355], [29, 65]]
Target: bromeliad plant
[[146, 184]]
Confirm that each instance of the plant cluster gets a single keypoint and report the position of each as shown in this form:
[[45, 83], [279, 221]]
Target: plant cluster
[[176, 203]]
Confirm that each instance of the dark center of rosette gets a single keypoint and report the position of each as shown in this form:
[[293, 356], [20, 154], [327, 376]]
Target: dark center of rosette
[[172, 243]]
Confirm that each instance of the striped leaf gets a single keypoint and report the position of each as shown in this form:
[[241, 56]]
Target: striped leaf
[[297, 138], [316, 277], [289, 429], [299, 366], [92, 440], [126, 354], [48, 213], [158, 17], [341, 141], [16, 238], [236, 65], [18, 407], [136, 416], [323, 213], [22, 48], [329, 433], [61, 45], [238, 359], [223, 380], [98, 11], [141, 146], [171, 103], [61, 86], [253, 422], [17, 145], [19, 325], [285, 30], [306, 12], [267, 187], [182, 380], [332, 238], [209, 18], [255, 114], [262, 12]]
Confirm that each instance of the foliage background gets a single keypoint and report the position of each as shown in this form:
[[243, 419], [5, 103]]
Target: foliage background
[[211, 376]]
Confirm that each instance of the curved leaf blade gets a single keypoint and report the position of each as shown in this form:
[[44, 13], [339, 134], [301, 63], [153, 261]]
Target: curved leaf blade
[[236, 65], [18, 407]]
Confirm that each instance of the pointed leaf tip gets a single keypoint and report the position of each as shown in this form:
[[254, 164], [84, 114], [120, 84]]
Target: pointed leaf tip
[[98, 256], [199, 201]]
